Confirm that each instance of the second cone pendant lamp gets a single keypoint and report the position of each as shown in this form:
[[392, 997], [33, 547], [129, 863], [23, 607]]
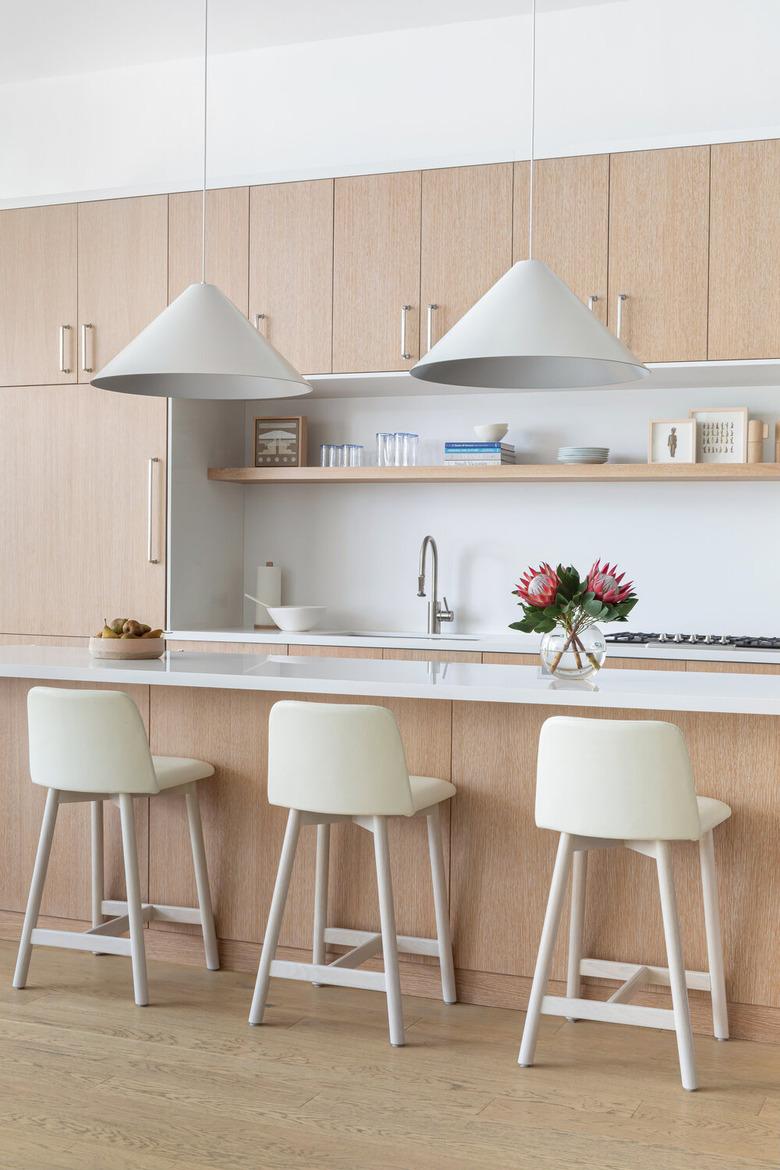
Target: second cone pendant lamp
[[529, 331], [201, 346]]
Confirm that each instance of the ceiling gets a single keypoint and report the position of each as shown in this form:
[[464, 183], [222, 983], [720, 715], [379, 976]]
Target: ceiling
[[49, 38]]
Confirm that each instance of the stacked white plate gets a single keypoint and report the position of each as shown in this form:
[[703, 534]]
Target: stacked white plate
[[583, 454]]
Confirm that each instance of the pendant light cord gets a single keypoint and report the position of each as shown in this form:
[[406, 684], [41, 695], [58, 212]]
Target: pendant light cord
[[205, 134], [533, 134]]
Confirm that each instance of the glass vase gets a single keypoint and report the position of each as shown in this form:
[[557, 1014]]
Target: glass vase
[[566, 654]]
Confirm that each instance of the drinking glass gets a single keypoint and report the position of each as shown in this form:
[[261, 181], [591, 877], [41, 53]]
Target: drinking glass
[[325, 454], [410, 445], [385, 449], [355, 454]]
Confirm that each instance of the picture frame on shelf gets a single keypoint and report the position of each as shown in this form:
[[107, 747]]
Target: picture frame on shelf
[[721, 434], [671, 440], [280, 442]]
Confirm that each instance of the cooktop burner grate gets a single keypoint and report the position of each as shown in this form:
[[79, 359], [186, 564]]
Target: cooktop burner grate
[[733, 641]]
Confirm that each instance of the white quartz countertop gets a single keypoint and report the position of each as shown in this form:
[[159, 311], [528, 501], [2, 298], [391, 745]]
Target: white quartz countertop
[[508, 643], [646, 690]]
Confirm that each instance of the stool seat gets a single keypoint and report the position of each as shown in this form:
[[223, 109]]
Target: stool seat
[[429, 790], [174, 770], [712, 812]]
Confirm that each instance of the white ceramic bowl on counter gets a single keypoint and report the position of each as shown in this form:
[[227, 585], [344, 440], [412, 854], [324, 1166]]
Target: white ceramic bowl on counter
[[295, 619]]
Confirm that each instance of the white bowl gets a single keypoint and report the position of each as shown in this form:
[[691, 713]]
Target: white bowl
[[296, 618], [491, 432]]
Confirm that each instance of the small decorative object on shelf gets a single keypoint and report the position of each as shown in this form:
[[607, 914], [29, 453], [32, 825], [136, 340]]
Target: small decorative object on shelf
[[758, 430], [563, 607], [672, 440], [280, 442], [721, 434]]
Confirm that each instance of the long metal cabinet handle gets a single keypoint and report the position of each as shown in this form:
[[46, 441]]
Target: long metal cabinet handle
[[431, 310], [621, 299], [63, 368], [404, 354], [151, 558], [86, 367]]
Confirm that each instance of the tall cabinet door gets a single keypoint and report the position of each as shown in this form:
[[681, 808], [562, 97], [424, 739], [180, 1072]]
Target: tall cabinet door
[[658, 252], [227, 242], [466, 242], [38, 295], [123, 274], [376, 272], [571, 222], [745, 251], [291, 270]]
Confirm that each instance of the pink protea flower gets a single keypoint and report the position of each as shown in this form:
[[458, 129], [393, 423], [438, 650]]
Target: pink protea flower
[[538, 587], [606, 585]]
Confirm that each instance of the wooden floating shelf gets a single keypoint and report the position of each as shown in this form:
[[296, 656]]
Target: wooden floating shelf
[[517, 473]]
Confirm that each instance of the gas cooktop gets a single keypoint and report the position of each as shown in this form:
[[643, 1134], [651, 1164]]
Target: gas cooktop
[[732, 641]]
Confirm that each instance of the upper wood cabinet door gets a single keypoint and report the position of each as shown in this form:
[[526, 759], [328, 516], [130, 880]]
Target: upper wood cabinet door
[[466, 242], [376, 272], [658, 252], [291, 270], [38, 295], [123, 274], [227, 242], [745, 251], [571, 222]]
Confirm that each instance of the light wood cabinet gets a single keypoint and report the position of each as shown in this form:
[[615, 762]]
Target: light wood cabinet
[[122, 273], [291, 270], [658, 252], [744, 316], [376, 272], [38, 295], [571, 222], [466, 240], [227, 242]]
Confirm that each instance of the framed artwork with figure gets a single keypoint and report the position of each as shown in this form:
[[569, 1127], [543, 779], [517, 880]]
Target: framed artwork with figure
[[280, 442], [672, 440]]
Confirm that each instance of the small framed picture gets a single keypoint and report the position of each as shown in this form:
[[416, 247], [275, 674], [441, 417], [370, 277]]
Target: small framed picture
[[672, 440], [721, 435], [280, 442]]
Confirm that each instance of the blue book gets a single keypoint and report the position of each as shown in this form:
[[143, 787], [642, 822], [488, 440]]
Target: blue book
[[475, 446]]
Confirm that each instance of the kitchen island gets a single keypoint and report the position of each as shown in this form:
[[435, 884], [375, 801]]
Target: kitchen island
[[473, 723]]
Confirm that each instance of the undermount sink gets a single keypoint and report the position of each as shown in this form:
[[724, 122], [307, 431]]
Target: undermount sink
[[406, 634]]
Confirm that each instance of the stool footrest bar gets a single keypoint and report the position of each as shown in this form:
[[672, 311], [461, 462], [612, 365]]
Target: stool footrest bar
[[154, 913], [77, 940], [608, 1013], [407, 944], [326, 973], [609, 969]]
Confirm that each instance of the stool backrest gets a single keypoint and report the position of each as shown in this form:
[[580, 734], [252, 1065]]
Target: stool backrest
[[88, 741], [337, 758], [616, 778]]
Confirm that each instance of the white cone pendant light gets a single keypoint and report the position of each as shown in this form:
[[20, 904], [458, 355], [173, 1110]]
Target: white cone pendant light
[[201, 346], [529, 331]]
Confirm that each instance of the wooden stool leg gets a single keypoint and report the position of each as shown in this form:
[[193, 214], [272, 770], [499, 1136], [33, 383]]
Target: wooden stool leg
[[552, 919], [709, 885], [579, 873], [321, 895], [395, 1013], [134, 909], [275, 915], [210, 945], [36, 887], [682, 1018], [441, 907]]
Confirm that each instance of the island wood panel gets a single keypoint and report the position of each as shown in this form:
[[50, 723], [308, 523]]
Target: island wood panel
[[318, 651], [227, 242], [433, 655], [571, 222], [67, 893], [466, 241], [376, 271], [736, 667], [744, 320], [122, 274], [37, 295], [75, 513], [244, 833], [612, 661], [226, 647], [41, 640], [291, 270], [658, 251]]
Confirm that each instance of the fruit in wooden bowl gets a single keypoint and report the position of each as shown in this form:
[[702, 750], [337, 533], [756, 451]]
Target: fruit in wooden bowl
[[126, 638]]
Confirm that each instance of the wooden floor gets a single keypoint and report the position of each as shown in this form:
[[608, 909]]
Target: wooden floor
[[90, 1082]]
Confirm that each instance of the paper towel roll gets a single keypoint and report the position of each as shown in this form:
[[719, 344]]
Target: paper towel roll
[[269, 587]]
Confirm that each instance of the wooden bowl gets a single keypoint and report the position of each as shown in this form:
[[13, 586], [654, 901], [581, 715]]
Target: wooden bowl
[[126, 648]]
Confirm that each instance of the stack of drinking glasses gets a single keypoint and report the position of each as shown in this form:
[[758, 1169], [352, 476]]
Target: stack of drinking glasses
[[341, 455], [396, 449]]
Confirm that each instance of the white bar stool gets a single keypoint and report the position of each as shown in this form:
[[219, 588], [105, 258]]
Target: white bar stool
[[605, 784], [332, 762], [91, 746]]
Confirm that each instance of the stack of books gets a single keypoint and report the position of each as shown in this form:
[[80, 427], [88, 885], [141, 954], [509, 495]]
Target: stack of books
[[474, 454]]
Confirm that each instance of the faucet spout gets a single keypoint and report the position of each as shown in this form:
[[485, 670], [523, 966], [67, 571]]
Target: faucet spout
[[436, 615]]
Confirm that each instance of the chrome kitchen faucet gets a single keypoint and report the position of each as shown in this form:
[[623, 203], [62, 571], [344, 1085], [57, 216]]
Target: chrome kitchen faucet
[[436, 613]]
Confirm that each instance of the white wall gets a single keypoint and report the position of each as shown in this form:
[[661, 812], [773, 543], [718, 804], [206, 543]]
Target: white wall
[[625, 75]]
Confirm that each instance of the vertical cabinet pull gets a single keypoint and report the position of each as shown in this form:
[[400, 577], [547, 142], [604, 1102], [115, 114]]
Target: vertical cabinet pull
[[431, 310], [86, 362], [621, 299], [592, 300], [258, 318], [404, 352], [151, 558], [64, 329]]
